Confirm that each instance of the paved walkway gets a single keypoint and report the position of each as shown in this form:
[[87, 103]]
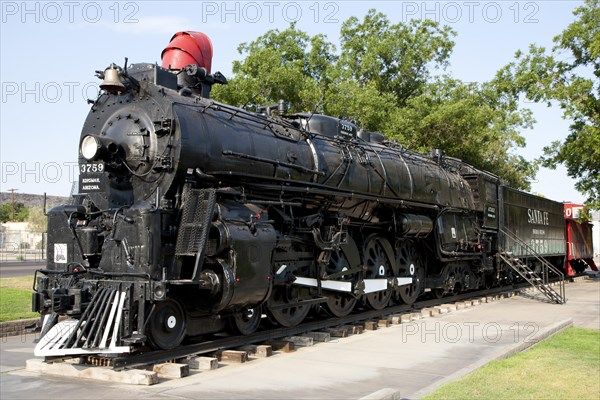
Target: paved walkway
[[402, 361]]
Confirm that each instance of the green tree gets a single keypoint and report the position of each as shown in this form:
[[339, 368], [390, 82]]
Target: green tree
[[387, 79], [6, 212], [383, 65], [38, 222], [286, 65], [569, 75], [397, 58]]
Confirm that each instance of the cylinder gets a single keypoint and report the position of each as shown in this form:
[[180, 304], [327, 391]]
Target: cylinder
[[414, 225]]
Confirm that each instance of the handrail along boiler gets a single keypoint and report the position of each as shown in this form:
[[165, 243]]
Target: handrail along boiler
[[195, 217]]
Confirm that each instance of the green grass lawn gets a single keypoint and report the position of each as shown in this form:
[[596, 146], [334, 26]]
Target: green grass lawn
[[566, 366], [15, 298]]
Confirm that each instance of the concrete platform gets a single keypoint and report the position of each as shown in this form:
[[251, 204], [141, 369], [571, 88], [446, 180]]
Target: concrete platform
[[401, 361]]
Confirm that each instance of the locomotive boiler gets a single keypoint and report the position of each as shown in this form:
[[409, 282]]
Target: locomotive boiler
[[195, 217]]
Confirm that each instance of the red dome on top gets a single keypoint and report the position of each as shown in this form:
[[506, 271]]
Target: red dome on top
[[187, 48]]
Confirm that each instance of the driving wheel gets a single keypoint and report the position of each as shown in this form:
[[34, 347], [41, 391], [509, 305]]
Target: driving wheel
[[410, 265], [379, 266]]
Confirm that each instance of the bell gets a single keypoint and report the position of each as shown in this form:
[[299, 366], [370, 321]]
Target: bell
[[112, 80]]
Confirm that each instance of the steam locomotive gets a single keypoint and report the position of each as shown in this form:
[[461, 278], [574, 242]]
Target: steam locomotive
[[195, 217]]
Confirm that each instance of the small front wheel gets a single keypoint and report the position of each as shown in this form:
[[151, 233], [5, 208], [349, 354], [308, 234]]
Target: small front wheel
[[167, 326]]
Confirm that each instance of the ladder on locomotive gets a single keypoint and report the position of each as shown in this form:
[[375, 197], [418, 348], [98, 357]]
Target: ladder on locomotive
[[538, 281], [198, 209]]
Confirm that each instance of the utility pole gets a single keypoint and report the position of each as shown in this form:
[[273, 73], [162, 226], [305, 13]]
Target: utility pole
[[13, 202]]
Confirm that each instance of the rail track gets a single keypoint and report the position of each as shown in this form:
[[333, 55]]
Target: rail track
[[219, 343]]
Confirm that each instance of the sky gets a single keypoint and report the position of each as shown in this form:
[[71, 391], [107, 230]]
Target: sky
[[49, 52]]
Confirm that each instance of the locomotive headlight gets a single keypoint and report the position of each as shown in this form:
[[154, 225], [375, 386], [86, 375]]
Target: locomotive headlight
[[90, 147]]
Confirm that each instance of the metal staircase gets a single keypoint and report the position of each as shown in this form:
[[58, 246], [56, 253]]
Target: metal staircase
[[538, 280]]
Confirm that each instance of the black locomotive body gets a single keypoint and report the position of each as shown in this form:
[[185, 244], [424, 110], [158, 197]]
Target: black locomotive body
[[195, 217]]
